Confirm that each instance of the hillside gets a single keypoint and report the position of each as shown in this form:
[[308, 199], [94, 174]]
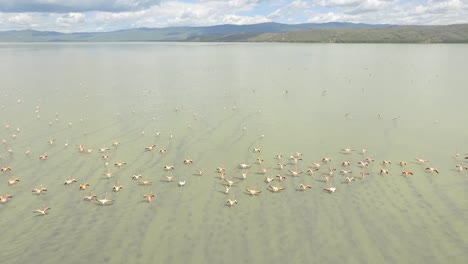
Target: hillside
[[394, 34], [264, 32]]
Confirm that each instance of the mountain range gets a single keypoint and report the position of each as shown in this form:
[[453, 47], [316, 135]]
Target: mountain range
[[263, 32]]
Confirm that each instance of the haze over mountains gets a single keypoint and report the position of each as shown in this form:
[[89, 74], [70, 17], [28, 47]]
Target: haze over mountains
[[264, 32]]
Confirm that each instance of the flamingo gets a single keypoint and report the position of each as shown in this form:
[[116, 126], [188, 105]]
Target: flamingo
[[276, 188], [69, 181], [421, 160], [432, 170], [330, 189], [407, 173], [89, 197], [244, 166], [253, 191], [42, 211], [386, 162], [304, 187], [39, 190], [84, 186], [104, 201], [149, 197], [13, 181], [231, 202], [383, 171]]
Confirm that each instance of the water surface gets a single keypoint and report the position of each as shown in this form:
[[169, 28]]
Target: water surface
[[214, 103]]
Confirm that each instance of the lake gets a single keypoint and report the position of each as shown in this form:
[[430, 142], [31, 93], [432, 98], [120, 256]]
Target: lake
[[214, 103]]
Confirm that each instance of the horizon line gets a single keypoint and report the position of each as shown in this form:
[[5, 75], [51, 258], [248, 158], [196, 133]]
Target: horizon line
[[239, 25]]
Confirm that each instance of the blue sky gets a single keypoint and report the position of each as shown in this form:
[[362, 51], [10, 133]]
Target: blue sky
[[107, 15]]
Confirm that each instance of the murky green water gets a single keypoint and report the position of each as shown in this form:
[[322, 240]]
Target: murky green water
[[228, 96]]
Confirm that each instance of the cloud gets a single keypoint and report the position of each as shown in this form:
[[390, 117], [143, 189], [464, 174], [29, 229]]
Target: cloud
[[290, 10], [440, 6], [65, 6], [429, 12], [70, 19], [370, 6], [202, 13], [326, 17], [109, 15], [21, 19], [338, 3], [243, 20]]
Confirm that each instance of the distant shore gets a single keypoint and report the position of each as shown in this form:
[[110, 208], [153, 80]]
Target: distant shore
[[397, 34], [265, 32]]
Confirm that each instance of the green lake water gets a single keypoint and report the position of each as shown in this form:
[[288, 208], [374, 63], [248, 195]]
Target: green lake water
[[214, 103]]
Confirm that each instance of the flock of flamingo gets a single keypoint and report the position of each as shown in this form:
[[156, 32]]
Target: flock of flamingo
[[286, 167], [345, 171]]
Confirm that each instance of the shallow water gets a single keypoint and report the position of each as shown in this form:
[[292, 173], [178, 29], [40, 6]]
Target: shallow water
[[232, 98]]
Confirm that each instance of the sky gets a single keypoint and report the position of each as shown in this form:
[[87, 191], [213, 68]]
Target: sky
[[109, 15]]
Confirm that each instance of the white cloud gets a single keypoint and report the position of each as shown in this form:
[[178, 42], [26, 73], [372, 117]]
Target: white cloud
[[21, 19], [431, 12], [440, 6], [70, 19], [145, 13], [203, 13], [290, 10], [370, 6], [243, 20], [61, 6], [326, 17], [339, 3]]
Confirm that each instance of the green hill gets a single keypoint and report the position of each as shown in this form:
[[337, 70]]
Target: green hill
[[264, 32], [394, 34]]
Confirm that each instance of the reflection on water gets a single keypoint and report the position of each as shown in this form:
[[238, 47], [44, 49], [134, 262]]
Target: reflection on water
[[215, 103]]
